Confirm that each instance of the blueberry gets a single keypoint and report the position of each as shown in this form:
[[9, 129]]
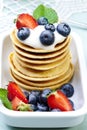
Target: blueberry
[[47, 91], [50, 27], [32, 99], [26, 93], [44, 94], [36, 93], [42, 107], [33, 107], [47, 37], [42, 21], [72, 103], [67, 89], [43, 99], [64, 29], [23, 33]]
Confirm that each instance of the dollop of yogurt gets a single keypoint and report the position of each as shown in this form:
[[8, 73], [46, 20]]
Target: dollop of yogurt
[[34, 38]]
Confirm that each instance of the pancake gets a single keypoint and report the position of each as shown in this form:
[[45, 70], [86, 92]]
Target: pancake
[[41, 66], [40, 83], [42, 61], [40, 86], [38, 69], [38, 55], [17, 43], [32, 73]]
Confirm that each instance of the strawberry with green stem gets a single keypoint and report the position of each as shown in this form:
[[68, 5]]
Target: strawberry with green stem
[[19, 105]]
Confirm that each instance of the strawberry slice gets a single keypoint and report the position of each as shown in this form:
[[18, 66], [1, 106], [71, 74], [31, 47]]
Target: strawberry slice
[[15, 91], [26, 20], [58, 100], [19, 105], [15, 103]]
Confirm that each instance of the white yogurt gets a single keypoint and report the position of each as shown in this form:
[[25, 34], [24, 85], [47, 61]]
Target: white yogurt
[[34, 39]]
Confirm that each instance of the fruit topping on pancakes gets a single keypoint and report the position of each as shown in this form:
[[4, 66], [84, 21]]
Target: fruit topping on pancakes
[[44, 26]]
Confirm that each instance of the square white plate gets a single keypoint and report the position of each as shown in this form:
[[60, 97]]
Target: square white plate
[[47, 119]]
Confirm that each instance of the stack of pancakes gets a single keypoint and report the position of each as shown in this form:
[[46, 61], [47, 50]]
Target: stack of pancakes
[[38, 69]]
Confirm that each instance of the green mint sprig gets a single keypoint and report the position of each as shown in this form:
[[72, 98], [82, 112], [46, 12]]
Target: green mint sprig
[[43, 11], [4, 99]]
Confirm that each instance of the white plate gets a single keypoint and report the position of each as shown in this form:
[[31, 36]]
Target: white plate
[[48, 119]]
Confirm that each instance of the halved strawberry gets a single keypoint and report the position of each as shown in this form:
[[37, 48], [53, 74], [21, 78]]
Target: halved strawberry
[[15, 91], [19, 105], [15, 103], [26, 20], [58, 100]]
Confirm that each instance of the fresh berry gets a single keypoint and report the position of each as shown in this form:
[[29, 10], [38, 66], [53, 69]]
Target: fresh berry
[[67, 89], [23, 33], [15, 103], [26, 20], [15, 91], [19, 105], [50, 27], [33, 107], [36, 93], [32, 99], [72, 103], [58, 100], [26, 93], [42, 107], [44, 94], [64, 29], [42, 21], [47, 37]]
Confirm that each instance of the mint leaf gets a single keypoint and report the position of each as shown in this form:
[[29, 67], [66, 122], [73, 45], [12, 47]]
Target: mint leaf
[[49, 13], [4, 99], [38, 12]]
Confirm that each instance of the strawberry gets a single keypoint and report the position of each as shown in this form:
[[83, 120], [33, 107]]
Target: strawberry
[[26, 20], [19, 105], [14, 90], [58, 100], [15, 103]]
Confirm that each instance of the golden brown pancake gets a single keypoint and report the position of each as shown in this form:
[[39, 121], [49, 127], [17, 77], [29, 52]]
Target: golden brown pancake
[[37, 69], [40, 66], [39, 85], [42, 61], [31, 49], [32, 73]]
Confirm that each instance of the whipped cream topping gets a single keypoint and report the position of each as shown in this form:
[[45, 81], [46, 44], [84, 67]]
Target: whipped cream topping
[[34, 38]]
